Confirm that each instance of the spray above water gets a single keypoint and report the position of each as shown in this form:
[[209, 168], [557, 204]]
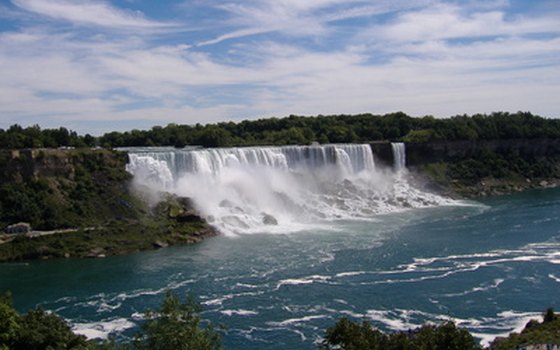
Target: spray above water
[[280, 189]]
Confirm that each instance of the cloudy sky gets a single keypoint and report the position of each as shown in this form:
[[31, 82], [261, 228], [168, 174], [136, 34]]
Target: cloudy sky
[[101, 65]]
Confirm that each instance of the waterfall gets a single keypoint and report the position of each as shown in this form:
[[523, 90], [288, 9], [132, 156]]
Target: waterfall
[[399, 156], [278, 189]]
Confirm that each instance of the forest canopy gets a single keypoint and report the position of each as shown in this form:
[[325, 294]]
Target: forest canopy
[[299, 130]]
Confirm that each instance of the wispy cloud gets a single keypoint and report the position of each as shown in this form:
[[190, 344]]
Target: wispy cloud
[[452, 22], [90, 13], [423, 57], [300, 18]]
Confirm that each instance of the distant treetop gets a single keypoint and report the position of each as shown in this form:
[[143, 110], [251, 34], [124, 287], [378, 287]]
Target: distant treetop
[[299, 130]]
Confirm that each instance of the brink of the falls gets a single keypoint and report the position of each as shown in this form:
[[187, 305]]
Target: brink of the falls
[[281, 189]]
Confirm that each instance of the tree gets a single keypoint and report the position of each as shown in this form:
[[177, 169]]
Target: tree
[[42, 330], [549, 315], [36, 330], [349, 335], [9, 322], [214, 136], [176, 326]]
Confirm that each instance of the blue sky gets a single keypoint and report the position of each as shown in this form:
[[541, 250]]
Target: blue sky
[[101, 65]]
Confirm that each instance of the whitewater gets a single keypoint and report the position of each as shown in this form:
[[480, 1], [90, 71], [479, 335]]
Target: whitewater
[[281, 189], [311, 234]]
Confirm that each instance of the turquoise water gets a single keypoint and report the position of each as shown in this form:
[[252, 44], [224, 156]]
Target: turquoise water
[[490, 266]]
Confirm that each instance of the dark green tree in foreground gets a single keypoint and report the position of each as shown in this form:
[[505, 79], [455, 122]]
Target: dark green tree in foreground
[[349, 335], [176, 326], [36, 330], [535, 332]]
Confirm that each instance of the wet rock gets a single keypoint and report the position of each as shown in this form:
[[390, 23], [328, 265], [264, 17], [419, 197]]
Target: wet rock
[[189, 217], [185, 202], [160, 244], [96, 253], [269, 219], [543, 183], [206, 232]]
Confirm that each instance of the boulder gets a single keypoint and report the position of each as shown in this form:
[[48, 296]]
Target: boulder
[[160, 244], [269, 219], [189, 216], [96, 253]]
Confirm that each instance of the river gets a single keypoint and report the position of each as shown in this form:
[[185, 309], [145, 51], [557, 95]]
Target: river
[[489, 265]]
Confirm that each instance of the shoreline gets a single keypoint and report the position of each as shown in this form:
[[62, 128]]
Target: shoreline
[[97, 243]]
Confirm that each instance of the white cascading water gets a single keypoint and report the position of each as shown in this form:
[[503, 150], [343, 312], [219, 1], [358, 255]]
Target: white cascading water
[[280, 189], [399, 156]]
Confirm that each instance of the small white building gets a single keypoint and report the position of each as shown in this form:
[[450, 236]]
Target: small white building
[[19, 228]]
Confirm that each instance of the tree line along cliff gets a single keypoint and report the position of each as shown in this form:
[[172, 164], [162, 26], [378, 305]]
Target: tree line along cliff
[[300, 130]]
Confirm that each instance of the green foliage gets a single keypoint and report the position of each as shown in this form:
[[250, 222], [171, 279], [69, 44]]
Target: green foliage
[[36, 330], [546, 332], [502, 165], [549, 315], [213, 136], [42, 330], [423, 135], [342, 128], [176, 326], [349, 335], [33, 137], [299, 130], [10, 322], [60, 189], [88, 191]]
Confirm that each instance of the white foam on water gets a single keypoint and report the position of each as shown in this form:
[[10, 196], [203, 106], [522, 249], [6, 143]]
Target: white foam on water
[[350, 273], [101, 330], [305, 280], [293, 321], [483, 288], [486, 329], [239, 312], [220, 300]]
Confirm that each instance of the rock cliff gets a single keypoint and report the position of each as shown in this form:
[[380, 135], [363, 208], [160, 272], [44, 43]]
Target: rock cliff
[[83, 198], [451, 151]]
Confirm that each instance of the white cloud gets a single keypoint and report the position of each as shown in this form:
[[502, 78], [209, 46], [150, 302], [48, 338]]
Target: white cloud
[[50, 76], [92, 13], [453, 22], [301, 18]]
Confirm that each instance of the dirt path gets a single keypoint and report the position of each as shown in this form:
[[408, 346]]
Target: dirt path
[[5, 238]]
